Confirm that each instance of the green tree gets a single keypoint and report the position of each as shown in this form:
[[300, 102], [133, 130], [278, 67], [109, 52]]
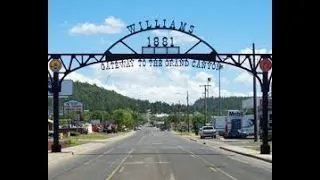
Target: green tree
[[70, 115], [122, 118], [197, 121]]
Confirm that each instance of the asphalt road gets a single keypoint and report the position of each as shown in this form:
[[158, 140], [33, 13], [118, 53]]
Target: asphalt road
[[154, 155]]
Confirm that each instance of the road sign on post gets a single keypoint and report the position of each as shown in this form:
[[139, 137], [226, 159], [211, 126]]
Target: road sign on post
[[265, 65], [55, 65], [66, 88]]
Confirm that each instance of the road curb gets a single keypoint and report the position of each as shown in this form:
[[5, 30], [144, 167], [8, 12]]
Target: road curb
[[245, 154]]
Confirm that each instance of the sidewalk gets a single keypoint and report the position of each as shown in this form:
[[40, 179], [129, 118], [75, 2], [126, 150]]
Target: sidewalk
[[220, 142], [94, 144]]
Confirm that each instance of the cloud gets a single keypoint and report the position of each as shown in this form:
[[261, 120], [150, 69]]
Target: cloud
[[224, 81], [111, 25], [259, 94], [244, 77], [84, 79], [153, 83], [178, 37]]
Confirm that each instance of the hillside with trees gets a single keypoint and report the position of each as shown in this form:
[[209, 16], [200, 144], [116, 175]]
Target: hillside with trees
[[227, 103], [96, 98]]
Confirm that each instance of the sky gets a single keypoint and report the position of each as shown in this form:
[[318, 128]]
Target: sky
[[229, 26]]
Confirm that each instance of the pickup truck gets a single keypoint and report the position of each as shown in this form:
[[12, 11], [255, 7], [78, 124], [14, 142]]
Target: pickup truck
[[207, 131]]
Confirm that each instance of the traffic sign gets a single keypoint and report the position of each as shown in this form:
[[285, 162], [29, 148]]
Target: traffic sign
[[265, 64], [55, 65]]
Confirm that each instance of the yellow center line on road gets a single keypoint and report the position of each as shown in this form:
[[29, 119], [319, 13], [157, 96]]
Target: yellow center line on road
[[212, 167], [121, 169], [116, 169]]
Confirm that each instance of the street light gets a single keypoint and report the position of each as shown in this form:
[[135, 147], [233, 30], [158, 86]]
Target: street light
[[219, 69], [209, 80]]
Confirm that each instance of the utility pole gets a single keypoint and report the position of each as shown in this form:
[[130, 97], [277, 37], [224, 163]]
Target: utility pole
[[205, 102], [188, 112], [255, 119]]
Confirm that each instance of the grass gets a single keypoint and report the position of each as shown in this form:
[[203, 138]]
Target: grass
[[71, 142], [92, 136], [75, 140]]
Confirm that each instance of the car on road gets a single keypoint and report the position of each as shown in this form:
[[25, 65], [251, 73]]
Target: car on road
[[207, 131]]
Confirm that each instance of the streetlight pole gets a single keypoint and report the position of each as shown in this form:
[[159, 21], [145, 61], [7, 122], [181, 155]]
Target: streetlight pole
[[205, 102], [209, 80], [188, 112], [219, 69]]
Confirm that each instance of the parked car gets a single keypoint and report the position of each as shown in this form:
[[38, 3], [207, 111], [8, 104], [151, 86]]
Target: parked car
[[242, 133], [207, 131]]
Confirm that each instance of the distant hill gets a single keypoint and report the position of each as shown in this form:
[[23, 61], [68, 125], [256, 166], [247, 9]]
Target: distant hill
[[97, 98], [227, 103]]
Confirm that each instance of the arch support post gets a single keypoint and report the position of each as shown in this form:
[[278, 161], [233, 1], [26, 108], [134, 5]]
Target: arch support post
[[56, 147], [265, 147]]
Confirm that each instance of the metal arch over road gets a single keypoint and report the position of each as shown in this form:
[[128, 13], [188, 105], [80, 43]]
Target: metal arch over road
[[74, 61]]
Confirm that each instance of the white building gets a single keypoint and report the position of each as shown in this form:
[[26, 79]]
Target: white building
[[248, 105]]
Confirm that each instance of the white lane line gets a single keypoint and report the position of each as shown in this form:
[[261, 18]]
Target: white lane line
[[116, 169], [206, 162], [172, 177]]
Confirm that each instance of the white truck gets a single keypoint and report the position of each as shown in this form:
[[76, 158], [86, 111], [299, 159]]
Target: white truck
[[235, 124]]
